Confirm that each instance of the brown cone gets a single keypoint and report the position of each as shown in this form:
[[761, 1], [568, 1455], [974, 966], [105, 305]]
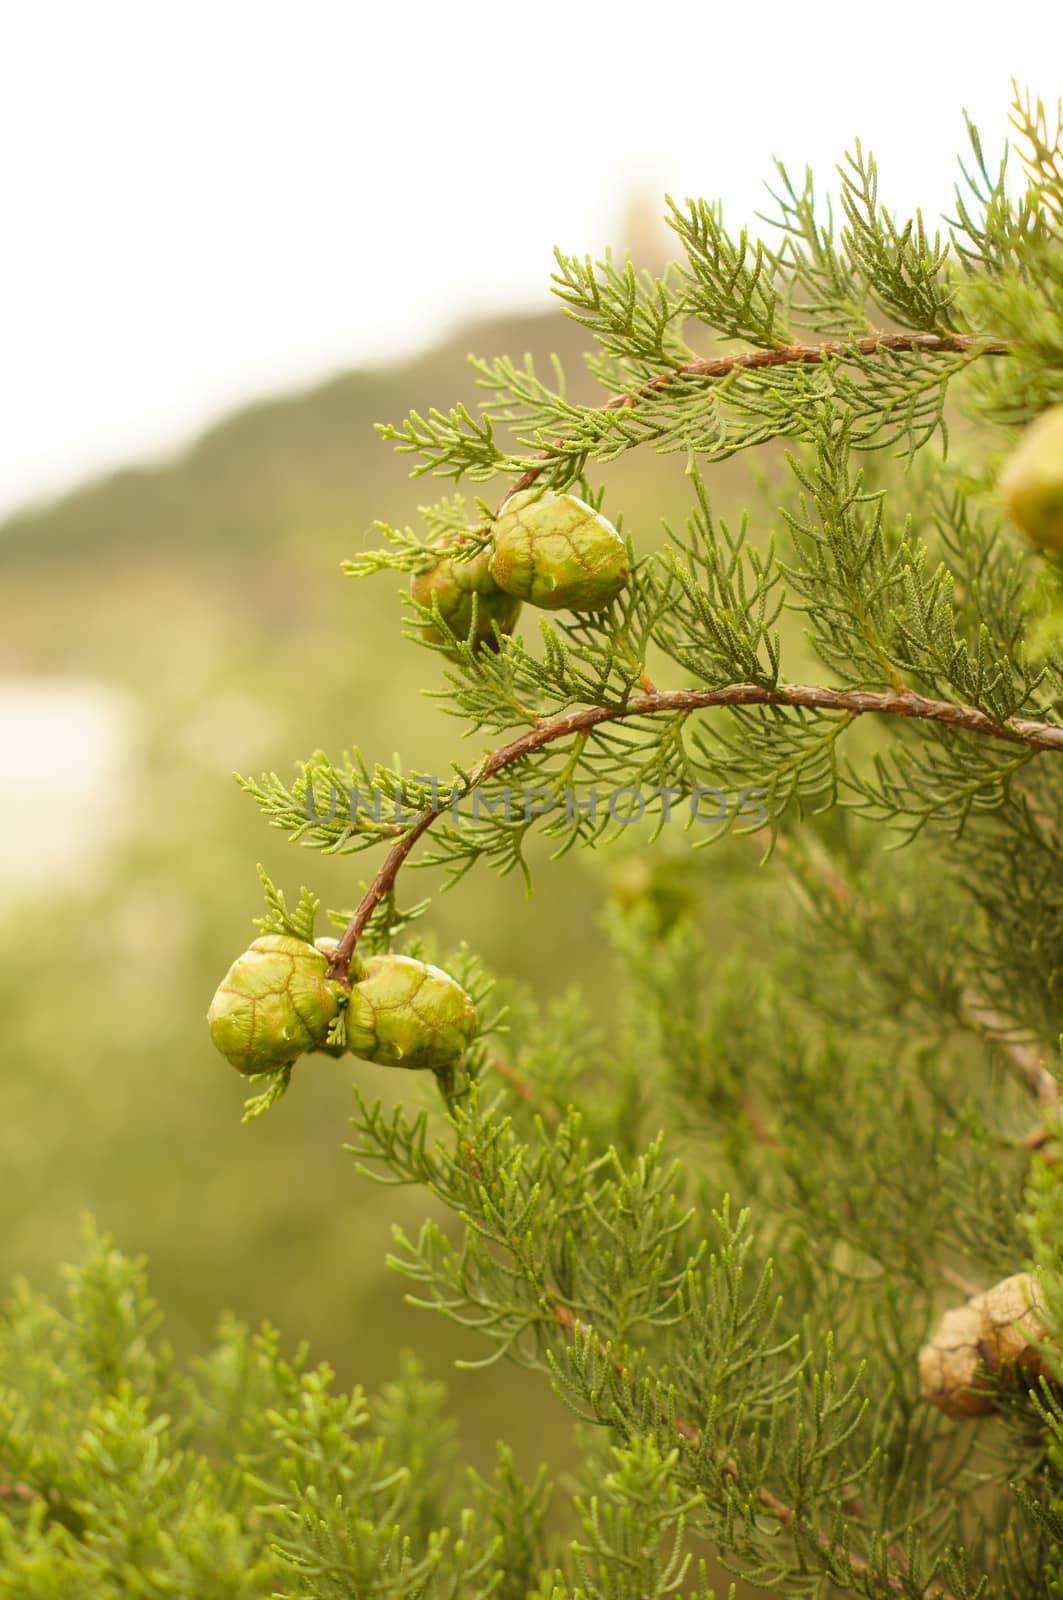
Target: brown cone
[[996, 1331], [949, 1364], [1012, 1322]]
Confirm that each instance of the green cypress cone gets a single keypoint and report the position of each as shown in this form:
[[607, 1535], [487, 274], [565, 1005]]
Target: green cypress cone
[[452, 584], [405, 1013], [274, 1004], [557, 552]]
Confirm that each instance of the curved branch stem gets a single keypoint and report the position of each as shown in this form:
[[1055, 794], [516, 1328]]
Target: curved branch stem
[[806, 355], [898, 703]]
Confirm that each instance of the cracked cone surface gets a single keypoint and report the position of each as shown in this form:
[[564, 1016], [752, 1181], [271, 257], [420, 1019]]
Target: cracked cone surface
[[949, 1365], [405, 1013], [1013, 1322], [557, 552], [273, 1005], [997, 1332]]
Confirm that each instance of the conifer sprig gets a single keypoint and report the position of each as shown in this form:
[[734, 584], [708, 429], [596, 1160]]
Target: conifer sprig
[[680, 409], [754, 1371], [1034, 736]]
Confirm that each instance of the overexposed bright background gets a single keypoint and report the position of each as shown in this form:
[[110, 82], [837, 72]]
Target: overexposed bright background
[[207, 200]]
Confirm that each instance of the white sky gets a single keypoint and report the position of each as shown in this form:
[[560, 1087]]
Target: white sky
[[202, 200]]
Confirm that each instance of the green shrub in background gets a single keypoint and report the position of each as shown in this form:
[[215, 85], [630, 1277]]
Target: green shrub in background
[[812, 1328], [126, 1476]]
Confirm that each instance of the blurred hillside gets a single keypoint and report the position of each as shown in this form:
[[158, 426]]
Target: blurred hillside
[[203, 598]]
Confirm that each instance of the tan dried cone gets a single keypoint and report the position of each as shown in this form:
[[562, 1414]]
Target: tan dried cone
[[1013, 1323], [996, 1331], [950, 1362]]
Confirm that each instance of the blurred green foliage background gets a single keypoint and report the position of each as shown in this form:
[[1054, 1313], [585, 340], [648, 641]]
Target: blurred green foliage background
[[206, 594]]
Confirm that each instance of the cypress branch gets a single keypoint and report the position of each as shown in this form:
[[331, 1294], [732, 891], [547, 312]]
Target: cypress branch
[[802, 355], [902, 703]]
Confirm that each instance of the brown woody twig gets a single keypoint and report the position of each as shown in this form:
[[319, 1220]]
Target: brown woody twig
[[19, 1491], [805, 355], [900, 703]]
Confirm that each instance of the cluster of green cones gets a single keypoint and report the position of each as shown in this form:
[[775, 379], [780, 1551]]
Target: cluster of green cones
[[552, 550], [277, 1003]]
